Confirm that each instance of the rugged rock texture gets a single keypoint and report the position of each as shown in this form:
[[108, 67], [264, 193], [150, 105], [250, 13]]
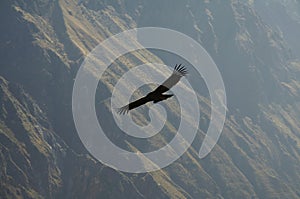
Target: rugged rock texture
[[42, 44]]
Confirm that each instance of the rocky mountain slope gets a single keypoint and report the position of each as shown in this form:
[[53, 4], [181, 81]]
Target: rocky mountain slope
[[44, 42]]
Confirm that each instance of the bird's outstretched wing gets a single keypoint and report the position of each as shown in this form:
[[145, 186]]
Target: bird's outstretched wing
[[179, 71], [133, 105]]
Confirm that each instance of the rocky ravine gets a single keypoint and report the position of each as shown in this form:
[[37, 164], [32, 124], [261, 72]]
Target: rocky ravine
[[44, 42]]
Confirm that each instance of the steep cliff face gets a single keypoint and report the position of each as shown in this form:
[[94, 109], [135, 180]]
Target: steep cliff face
[[28, 147], [41, 49], [284, 17], [246, 50]]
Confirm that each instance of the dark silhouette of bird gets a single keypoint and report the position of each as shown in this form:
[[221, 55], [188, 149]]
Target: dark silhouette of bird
[[157, 95]]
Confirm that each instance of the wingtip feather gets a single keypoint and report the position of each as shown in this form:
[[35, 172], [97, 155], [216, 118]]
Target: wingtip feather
[[123, 110], [181, 69]]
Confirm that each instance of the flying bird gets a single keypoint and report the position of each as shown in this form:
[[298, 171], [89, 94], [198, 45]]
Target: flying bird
[[157, 95]]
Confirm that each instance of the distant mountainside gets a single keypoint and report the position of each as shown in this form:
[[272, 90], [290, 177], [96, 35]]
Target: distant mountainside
[[284, 17], [44, 42]]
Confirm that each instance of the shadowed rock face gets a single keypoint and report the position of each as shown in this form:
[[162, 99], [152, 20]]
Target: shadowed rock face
[[42, 46]]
